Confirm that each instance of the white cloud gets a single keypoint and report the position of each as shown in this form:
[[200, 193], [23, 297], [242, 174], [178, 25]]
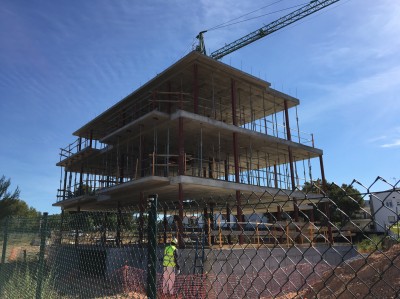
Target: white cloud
[[394, 144], [352, 44], [367, 89], [378, 138]]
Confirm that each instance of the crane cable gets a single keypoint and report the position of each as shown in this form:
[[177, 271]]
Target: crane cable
[[225, 23], [228, 23]]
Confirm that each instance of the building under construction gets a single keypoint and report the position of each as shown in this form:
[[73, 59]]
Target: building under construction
[[200, 128], [224, 153]]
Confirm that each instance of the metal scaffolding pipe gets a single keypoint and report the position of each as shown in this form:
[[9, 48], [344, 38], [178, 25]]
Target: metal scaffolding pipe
[[180, 211], [119, 220], [206, 230], [141, 152], [141, 216], [212, 226], [169, 97], [327, 206], [276, 176], [292, 178], [165, 223], [228, 220], [195, 89], [236, 160], [181, 149]]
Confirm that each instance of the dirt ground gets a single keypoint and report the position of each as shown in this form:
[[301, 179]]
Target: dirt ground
[[376, 276]]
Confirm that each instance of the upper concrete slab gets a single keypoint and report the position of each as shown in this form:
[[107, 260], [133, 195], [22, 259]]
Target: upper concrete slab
[[213, 81]]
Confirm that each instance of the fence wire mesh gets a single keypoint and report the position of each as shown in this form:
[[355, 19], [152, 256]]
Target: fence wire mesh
[[332, 242]]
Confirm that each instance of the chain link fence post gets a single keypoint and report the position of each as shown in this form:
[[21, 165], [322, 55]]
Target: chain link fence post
[[5, 237], [152, 247], [3, 255], [40, 271]]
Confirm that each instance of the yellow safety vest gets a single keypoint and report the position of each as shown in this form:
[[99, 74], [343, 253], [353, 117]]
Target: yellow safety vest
[[169, 259]]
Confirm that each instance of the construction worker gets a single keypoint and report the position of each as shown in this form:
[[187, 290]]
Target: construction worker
[[170, 263]]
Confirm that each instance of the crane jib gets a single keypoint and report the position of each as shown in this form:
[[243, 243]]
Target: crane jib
[[284, 21]]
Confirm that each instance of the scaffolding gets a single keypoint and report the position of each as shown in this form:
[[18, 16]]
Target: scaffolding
[[199, 127]]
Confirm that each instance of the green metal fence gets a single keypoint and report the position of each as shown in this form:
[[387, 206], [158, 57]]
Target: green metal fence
[[285, 245]]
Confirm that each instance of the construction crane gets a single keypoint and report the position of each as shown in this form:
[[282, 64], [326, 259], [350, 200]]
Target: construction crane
[[280, 23]]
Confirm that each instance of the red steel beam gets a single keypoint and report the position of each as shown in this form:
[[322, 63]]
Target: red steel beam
[[288, 134]]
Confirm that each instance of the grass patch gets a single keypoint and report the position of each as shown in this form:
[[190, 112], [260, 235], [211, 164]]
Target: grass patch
[[21, 282], [395, 229]]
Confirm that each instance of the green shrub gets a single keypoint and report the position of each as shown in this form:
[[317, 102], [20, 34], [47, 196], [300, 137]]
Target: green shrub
[[370, 244]]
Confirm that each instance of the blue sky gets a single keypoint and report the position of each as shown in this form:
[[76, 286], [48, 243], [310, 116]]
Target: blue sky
[[64, 62]]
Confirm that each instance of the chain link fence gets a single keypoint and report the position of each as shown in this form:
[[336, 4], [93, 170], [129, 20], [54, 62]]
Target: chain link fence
[[331, 242]]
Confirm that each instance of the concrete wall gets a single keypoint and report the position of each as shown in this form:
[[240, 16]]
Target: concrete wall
[[237, 271], [385, 207], [255, 272]]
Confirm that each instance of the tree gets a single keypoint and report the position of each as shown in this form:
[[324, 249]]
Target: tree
[[345, 200], [10, 204], [4, 193]]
